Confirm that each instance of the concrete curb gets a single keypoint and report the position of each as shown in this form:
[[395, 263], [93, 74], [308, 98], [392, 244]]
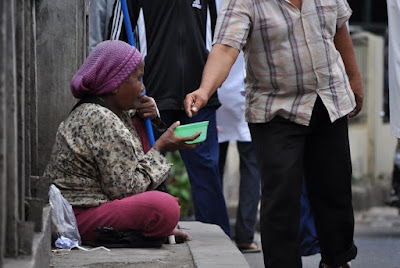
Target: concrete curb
[[370, 194], [40, 249], [211, 247]]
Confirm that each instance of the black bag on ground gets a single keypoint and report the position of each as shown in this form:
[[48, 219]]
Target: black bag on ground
[[111, 238]]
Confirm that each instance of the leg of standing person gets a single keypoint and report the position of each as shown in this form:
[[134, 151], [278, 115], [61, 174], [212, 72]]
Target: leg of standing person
[[202, 166], [394, 199], [249, 194], [279, 146], [308, 235], [281, 149], [396, 173], [223, 149], [328, 175]]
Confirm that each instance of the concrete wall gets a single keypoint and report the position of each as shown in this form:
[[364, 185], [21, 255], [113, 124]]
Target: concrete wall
[[3, 128], [42, 43], [372, 145], [61, 49]]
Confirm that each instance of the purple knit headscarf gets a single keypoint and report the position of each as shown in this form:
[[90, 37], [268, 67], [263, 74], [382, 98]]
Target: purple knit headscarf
[[106, 67]]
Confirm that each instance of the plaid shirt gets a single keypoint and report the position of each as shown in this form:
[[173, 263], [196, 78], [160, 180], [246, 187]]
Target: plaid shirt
[[290, 56]]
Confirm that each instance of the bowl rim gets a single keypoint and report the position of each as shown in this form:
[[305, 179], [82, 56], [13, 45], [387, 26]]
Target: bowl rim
[[191, 125]]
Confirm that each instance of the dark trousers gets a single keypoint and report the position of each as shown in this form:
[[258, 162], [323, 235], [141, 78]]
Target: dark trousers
[[286, 151], [249, 189], [396, 173], [202, 166], [309, 244]]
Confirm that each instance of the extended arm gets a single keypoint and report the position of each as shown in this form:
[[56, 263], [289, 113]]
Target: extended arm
[[344, 45], [218, 66]]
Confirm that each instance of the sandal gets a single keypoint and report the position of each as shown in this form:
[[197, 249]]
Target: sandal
[[248, 247], [347, 265]]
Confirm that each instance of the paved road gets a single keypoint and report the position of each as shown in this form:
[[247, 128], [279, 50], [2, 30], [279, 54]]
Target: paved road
[[377, 238]]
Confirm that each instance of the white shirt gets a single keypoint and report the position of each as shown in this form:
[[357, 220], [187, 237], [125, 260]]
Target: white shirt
[[393, 7], [232, 125], [230, 116]]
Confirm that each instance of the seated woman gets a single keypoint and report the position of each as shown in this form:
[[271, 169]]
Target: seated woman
[[98, 162]]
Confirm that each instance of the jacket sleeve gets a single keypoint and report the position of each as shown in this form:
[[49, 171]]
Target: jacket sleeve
[[97, 22], [117, 27]]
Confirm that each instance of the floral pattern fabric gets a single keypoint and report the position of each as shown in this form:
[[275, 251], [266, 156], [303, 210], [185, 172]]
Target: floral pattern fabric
[[97, 157]]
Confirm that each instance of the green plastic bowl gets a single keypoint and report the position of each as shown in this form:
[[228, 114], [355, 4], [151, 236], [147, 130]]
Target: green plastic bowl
[[191, 129]]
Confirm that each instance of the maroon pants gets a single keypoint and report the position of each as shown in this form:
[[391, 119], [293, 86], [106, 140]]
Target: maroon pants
[[154, 213]]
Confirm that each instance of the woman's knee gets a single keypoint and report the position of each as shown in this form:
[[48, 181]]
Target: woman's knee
[[168, 205], [164, 215]]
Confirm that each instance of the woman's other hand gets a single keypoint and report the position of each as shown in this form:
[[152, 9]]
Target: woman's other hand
[[169, 142], [147, 108]]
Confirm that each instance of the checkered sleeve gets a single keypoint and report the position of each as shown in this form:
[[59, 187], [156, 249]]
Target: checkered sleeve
[[233, 23], [343, 12]]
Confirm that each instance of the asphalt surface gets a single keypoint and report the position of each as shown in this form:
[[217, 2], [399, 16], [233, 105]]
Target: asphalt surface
[[377, 236]]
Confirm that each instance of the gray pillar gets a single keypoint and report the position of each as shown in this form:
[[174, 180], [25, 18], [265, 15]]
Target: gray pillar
[[61, 50], [3, 177], [20, 49], [11, 135], [31, 86], [27, 93]]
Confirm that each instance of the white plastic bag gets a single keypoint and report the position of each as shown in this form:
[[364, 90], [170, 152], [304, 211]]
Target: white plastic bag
[[62, 215], [64, 243]]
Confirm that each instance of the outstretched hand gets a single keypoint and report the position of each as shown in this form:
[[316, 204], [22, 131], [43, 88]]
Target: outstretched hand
[[169, 142], [195, 101]]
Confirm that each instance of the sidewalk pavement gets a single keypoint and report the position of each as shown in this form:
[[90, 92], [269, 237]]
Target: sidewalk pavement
[[210, 247]]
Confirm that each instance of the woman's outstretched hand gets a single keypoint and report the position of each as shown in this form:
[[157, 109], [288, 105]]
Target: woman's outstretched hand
[[169, 142]]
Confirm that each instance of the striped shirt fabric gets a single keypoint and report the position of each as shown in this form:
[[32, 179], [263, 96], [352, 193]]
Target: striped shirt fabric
[[290, 56]]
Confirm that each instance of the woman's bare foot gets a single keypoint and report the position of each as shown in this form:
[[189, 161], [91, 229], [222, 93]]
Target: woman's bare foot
[[181, 236]]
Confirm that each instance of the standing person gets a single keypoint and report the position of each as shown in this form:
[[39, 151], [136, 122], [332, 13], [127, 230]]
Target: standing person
[[298, 98], [172, 36], [393, 7], [233, 127], [100, 12]]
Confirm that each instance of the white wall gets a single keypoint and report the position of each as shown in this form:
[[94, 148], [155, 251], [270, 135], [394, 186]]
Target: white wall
[[372, 145]]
